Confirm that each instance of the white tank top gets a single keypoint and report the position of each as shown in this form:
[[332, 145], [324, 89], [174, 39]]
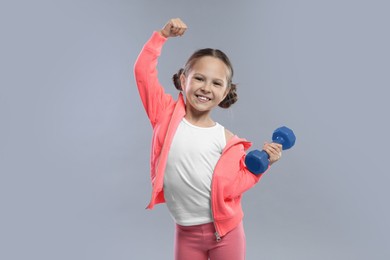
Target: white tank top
[[192, 157]]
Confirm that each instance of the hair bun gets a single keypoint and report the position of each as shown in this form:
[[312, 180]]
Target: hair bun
[[230, 98], [176, 79]]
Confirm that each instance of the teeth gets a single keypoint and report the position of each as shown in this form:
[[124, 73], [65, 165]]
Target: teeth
[[203, 98]]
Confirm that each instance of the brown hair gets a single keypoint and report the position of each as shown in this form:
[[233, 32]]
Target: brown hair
[[232, 96]]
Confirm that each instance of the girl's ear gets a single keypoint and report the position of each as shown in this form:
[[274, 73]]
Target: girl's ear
[[182, 81]]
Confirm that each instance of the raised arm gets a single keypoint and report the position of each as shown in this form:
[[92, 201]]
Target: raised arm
[[152, 94]]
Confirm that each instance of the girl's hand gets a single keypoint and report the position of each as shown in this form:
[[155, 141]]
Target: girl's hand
[[274, 151], [174, 27]]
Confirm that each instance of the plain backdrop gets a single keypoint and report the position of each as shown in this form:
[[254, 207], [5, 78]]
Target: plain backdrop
[[75, 140]]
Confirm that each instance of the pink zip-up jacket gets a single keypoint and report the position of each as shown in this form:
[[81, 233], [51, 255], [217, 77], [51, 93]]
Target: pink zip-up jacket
[[230, 179]]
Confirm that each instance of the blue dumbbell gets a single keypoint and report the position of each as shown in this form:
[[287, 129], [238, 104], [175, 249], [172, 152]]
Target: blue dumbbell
[[257, 161]]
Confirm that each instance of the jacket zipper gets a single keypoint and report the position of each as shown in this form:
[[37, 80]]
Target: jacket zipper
[[217, 236]]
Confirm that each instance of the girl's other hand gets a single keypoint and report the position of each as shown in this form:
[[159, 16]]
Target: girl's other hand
[[174, 27], [274, 151]]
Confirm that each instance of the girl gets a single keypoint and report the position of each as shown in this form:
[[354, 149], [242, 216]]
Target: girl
[[197, 166]]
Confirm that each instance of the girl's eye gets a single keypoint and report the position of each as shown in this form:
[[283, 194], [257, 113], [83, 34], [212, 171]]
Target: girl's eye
[[199, 78], [217, 84]]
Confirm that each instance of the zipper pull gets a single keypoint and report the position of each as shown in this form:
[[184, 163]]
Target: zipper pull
[[217, 236]]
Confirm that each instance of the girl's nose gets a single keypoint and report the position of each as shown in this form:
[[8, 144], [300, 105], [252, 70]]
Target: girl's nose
[[206, 86]]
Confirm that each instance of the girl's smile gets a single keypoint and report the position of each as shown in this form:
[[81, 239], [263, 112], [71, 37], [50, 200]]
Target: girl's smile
[[202, 98]]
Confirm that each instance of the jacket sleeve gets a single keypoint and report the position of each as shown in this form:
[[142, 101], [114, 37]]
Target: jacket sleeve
[[244, 179], [152, 94]]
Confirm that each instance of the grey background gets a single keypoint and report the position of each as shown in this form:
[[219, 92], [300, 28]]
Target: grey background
[[75, 140]]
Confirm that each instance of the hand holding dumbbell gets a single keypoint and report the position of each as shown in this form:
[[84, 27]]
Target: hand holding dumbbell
[[257, 161]]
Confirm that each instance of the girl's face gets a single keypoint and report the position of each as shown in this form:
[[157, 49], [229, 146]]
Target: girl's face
[[206, 84]]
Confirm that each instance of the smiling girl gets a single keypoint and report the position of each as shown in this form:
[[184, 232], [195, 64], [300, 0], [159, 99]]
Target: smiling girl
[[197, 166]]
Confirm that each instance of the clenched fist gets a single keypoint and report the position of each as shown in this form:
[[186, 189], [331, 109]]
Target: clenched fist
[[174, 27], [274, 151]]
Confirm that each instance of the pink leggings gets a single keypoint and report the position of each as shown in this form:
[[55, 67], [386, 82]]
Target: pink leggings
[[199, 243]]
